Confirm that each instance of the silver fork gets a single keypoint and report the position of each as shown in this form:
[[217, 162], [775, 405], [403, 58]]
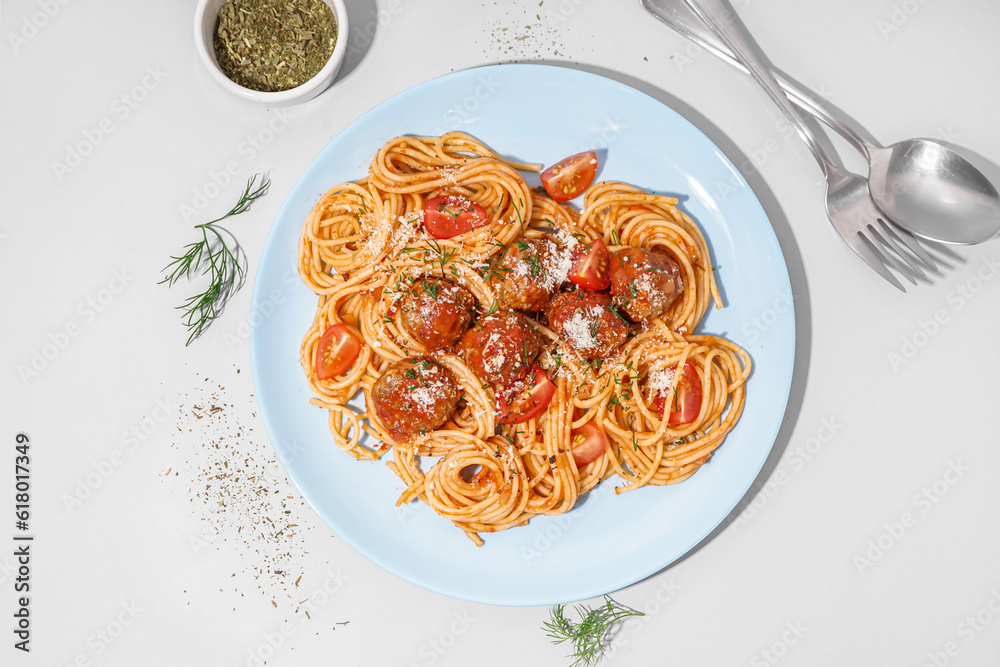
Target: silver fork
[[849, 204]]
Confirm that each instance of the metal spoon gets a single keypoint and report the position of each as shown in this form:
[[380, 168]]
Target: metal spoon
[[920, 184]]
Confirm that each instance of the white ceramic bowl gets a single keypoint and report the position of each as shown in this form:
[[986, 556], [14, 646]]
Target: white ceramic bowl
[[205, 18]]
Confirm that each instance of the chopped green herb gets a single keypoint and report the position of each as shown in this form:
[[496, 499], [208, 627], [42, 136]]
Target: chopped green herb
[[494, 307], [432, 289], [537, 271], [273, 45], [614, 310]]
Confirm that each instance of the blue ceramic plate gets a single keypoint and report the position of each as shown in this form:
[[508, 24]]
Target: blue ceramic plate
[[533, 113]]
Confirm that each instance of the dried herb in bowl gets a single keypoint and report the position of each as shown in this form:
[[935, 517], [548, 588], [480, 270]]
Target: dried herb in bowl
[[274, 45]]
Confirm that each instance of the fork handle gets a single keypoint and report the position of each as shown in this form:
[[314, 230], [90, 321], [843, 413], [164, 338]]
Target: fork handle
[[720, 16], [682, 18]]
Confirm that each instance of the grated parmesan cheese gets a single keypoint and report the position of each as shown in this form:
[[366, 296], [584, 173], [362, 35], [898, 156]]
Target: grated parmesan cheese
[[493, 362], [427, 397], [579, 329], [659, 381], [404, 232], [553, 263]]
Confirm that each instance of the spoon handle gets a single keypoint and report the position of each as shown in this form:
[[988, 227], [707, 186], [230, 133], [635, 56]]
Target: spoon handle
[[720, 16], [681, 18]]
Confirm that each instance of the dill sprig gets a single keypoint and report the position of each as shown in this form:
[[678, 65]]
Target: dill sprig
[[537, 270], [494, 307], [591, 636], [219, 256]]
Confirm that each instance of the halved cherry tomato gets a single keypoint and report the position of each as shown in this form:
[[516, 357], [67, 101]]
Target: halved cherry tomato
[[451, 215], [587, 443], [591, 265], [684, 409], [529, 403], [338, 349], [568, 178]]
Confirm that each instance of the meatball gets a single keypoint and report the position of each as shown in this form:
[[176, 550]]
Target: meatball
[[644, 283], [535, 270], [501, 348], [584, 319], [414, 396], [437, 312]]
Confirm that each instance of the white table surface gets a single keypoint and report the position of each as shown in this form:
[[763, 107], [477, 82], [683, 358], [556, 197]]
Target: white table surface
[[869, 537]]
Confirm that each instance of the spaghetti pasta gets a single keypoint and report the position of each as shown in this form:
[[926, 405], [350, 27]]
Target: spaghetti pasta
[[364, 245]]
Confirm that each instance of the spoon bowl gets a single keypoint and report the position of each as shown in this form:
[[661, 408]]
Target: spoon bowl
[[934, 192]]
